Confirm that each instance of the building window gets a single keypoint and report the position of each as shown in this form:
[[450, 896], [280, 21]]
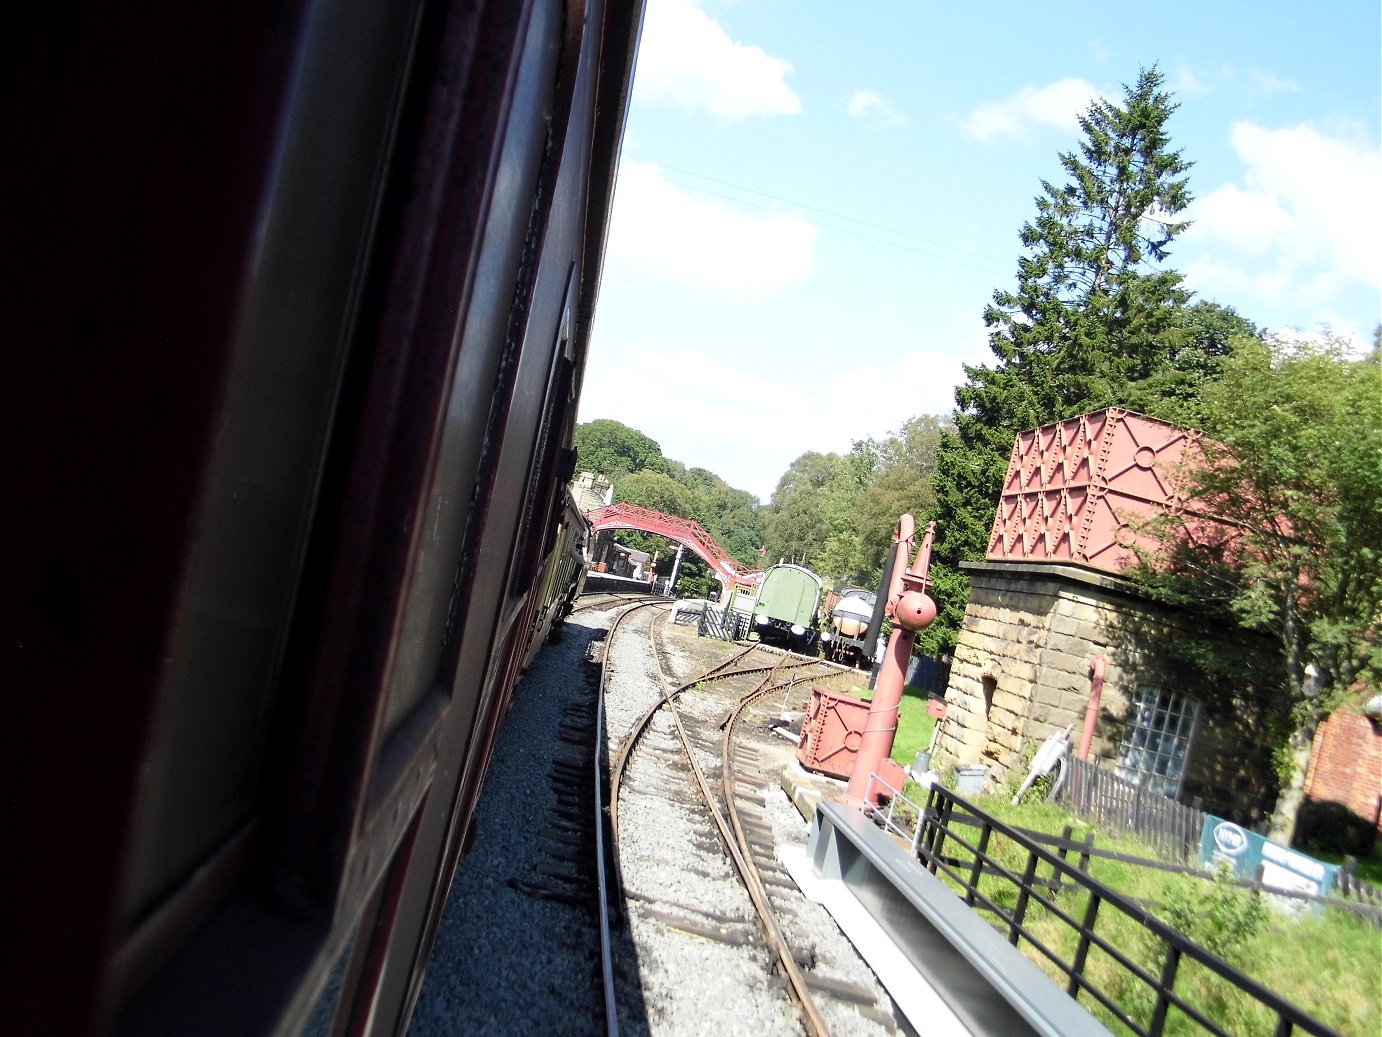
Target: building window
[[1156, 743]]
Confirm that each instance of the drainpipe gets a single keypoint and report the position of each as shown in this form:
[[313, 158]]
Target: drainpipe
[[1097, 666]]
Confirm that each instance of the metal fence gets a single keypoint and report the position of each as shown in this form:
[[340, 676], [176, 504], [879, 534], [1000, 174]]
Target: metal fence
[[1171, 829], [995, 870], [725, 624]]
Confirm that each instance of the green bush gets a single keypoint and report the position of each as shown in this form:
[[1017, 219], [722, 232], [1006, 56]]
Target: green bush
[[1219, 916]]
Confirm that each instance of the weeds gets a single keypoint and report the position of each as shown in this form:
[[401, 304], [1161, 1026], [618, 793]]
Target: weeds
[[1328, 964]]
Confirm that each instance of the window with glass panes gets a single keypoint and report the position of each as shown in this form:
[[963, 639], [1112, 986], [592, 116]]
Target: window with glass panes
[[1156, 742]]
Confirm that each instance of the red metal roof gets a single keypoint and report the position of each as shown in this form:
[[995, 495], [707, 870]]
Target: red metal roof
[[1076, 491]]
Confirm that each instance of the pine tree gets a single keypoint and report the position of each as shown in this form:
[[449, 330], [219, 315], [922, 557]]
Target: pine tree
[[1093, 321]]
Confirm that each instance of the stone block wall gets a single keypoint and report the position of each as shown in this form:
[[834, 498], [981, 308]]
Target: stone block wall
[[1022, 671]]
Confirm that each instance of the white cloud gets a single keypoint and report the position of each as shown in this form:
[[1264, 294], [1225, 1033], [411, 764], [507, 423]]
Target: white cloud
[[701, 417], [1267, 85], [663, 232], [1308, 204], [870, 105], [723, 429], [1059, 104], [1188, 83], [687, 59]]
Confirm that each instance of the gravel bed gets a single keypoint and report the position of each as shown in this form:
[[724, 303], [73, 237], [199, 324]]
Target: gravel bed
[[507, 962], [694, 985]]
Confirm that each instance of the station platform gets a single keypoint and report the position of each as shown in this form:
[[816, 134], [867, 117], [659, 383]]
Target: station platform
[[805, 788]]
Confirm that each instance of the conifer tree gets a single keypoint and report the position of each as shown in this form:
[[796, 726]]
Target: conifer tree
[[1094, 321]]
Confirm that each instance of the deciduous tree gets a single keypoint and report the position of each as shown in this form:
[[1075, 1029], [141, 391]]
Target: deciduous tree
[[1293, 464], [813, 503], [612, 449]]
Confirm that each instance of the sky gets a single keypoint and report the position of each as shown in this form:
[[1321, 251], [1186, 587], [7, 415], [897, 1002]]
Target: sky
[[816, 199]]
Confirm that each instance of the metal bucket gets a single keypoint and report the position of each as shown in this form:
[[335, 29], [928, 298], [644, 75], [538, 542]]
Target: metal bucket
[[922, 763], [969, 781]]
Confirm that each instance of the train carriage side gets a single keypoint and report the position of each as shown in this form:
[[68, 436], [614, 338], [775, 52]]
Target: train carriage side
[[307, 299]]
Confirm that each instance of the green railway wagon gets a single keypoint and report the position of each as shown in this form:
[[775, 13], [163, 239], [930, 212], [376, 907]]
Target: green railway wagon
[[785, 610]]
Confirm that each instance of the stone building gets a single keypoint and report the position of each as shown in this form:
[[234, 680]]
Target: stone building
[[1051, 626], [591, 491]]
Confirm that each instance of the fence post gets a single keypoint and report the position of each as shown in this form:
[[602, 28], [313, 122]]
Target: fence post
[[1091, 914], [1066, 833], [977, 872], [1020, 909], [1168, 979]]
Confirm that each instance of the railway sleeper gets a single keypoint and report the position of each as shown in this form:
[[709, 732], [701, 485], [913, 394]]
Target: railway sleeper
[[840, 989], [541, 892], [566, 852], [735, 932]]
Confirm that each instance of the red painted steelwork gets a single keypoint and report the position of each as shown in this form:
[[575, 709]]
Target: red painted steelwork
[[1097, 667], [911, 609], [1075, 491], [831, 732], [683, 531]]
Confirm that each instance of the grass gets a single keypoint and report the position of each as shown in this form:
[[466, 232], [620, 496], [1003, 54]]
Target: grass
[[1369, 868], [1329, 964], [914, 726]]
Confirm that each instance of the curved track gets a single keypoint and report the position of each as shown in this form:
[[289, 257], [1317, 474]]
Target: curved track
[[764, 671]]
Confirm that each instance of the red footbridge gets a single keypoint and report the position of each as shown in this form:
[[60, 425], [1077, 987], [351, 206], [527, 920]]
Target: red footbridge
[[684, 531]]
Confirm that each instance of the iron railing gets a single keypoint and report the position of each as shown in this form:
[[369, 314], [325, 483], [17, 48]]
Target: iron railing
[[1013, 892]]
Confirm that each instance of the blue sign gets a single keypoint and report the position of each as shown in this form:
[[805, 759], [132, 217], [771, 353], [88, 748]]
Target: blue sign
[[1251, 856]]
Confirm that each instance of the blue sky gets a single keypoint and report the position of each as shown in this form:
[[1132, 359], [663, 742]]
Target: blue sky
[[817, 199]]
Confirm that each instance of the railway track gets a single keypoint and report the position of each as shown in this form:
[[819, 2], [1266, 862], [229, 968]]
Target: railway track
[[538, 939], [700, 862], [605, 600]]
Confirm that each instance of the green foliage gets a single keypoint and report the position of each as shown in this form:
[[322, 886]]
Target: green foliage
[[1219, 916], [836, 513], [1017, 775], [629, 459], [1093, 322], [649, 489], [731, 516], [901, 483], [812, 509], [657, 492], [694, 579], [612, 449], [1292, 467], [1230, 922]]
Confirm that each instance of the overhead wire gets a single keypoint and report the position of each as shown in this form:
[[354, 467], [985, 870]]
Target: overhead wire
[[826, 212]]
